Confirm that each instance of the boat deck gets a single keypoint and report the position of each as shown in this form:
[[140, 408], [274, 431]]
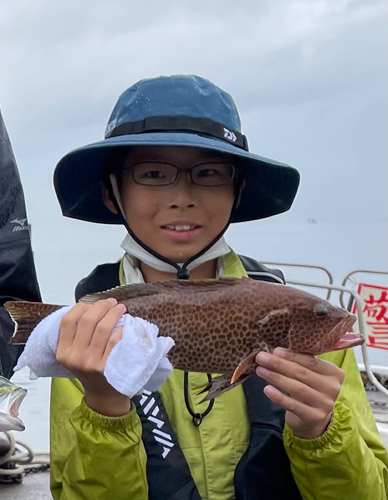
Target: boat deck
[[34, 487]]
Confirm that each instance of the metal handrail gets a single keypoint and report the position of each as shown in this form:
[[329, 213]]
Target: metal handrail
[[361, 327], [365, 271], [309, 266]]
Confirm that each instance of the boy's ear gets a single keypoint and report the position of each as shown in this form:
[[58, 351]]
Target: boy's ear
[[107, 200]]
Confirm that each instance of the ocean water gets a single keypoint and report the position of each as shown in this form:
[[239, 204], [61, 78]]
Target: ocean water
[[66, 254]]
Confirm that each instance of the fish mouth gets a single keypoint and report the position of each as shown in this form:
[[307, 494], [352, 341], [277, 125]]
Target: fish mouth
[[15, 402], [349, 339], [9, 411]]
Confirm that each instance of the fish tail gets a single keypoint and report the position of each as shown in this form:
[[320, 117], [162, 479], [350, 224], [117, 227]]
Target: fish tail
[[26, 316]]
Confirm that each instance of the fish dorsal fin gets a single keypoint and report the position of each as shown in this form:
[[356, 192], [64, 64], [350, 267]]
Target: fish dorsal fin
[[128, 292]]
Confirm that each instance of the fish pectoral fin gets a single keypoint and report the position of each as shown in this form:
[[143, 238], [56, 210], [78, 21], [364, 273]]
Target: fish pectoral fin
[[127, 292], [247, 364], [245, 369], [222, 384]]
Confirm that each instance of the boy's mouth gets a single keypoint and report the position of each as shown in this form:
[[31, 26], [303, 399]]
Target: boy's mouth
[[180, 227], [182, 231]]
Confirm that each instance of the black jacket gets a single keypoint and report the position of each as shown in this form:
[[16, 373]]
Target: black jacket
[[17, 271]]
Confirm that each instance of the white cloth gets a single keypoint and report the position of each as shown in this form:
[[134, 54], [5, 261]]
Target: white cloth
[[138, 361]]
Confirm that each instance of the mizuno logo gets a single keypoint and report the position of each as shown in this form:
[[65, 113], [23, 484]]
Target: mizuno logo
[[21, 224], [230, 135]]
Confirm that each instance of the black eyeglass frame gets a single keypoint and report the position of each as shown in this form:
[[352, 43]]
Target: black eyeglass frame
[[233, 176]]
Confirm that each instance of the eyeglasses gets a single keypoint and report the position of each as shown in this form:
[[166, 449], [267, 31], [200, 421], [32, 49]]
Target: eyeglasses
[[155, 173]]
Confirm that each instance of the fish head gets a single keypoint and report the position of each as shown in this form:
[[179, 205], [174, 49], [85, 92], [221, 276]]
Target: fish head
[[308, 324], [11, 397], [320, 327]]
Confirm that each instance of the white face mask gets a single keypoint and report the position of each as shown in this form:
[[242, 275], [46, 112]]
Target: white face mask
[[133, 249]]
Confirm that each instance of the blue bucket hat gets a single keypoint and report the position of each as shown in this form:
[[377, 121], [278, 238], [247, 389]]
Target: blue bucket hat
[[173, 111]]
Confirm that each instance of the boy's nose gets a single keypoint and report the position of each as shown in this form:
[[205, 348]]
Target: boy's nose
[[183, 192]]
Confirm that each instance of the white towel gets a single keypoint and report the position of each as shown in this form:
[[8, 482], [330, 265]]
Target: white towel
[[138, 361]]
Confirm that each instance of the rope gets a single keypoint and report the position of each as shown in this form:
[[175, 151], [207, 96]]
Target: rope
[[21, 459]]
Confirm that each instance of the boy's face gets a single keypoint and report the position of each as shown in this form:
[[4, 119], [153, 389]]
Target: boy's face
[[157, 214]]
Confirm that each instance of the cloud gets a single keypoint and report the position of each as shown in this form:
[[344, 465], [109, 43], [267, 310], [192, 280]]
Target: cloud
[[309, 78], [297, 69]]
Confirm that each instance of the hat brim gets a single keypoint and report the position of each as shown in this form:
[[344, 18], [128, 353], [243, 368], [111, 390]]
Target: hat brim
[[270, 186]]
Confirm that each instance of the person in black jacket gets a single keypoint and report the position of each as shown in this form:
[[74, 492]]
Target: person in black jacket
[[17, 270]]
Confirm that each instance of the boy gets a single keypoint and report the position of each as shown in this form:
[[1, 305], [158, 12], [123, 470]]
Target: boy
[[175, 169]]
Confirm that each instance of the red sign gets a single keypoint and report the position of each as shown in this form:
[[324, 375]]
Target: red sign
[[375, 311]]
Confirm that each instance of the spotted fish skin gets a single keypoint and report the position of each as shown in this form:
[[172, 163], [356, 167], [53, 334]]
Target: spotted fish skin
[[217, 324]]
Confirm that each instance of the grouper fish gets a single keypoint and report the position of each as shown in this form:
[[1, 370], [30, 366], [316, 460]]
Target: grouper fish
[[219, 325]]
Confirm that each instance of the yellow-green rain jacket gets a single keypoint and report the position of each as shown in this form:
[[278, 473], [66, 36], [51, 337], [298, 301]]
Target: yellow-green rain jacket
[[94, 457]]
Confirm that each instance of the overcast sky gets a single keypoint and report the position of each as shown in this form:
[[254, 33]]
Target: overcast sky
[[308, 76]]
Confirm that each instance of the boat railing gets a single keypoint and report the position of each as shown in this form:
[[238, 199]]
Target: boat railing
[[306, 266], [347, 278]]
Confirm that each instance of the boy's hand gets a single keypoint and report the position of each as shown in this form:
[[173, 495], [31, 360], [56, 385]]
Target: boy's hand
[[312, 386], [84, 344]]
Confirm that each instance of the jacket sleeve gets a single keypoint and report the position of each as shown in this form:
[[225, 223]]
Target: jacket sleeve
[[350, 460], [17, 271], [93, 456]]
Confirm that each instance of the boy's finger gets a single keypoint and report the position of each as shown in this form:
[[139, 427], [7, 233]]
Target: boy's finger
[[89, 321], [69, 322], [113, 339], [297, 390], [306, 413], [327, 382], [104, 328], [309, 361]]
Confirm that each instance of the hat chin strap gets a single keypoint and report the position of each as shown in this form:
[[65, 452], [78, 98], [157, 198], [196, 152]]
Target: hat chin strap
[[181, 269]]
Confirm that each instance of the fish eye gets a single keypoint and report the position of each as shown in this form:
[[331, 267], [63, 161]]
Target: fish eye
[[320, 310]]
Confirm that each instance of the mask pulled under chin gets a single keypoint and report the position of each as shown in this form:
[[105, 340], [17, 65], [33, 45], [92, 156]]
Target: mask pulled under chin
[[134, 251]]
